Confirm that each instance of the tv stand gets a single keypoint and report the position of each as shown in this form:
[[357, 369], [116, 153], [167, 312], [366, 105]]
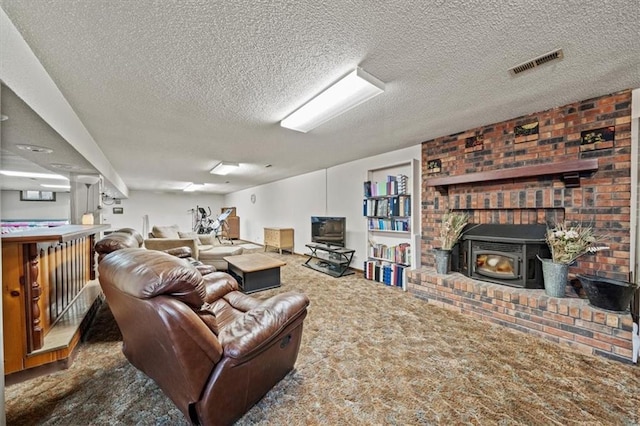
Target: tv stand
[[331, 260]]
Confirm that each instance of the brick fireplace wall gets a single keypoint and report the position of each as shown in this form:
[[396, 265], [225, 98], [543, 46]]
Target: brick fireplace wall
[[601, 201], [599, 129]]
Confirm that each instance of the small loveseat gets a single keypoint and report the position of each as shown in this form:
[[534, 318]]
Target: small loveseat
[[212, 349]]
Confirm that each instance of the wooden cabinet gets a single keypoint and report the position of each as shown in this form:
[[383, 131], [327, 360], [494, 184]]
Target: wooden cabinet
[[231, 229], [279, 238]]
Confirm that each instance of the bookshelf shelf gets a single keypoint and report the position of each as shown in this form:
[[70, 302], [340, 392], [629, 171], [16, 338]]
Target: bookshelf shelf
[[389, 231], [390, 195]]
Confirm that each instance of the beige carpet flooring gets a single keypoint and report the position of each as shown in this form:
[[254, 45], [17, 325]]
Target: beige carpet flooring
[[370, 355]]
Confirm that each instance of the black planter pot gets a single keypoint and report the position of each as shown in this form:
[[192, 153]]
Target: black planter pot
[[606, 293]]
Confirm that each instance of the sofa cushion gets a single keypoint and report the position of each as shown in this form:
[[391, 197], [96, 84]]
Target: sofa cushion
[[209, 319], [165, 231], [181, 252], [218, 252], [218, 285], [191, 234]]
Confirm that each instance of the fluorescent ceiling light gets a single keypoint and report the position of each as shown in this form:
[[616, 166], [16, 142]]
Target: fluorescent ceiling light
[[64, 166], [355, 88], [193, 187], [45, 185], [224, 168], [32, 175]]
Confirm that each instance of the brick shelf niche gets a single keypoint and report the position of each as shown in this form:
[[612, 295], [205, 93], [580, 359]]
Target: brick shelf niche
[[543, 177], [570, 320]]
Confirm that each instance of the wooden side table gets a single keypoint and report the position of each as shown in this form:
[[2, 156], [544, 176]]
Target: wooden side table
[[279, 238]]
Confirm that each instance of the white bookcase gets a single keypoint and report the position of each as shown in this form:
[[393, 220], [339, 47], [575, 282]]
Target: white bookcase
[[391, 206]]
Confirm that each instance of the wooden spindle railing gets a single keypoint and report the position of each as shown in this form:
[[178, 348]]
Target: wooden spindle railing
[[67, 266], [44, 271]]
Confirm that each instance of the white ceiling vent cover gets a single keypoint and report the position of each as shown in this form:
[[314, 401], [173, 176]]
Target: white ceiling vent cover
[[536, 62]]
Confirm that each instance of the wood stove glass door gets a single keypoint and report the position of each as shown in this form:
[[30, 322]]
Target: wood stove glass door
[[496, 264]]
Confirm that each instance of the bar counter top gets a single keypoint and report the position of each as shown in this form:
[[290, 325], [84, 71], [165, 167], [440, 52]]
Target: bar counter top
[[57, 233]]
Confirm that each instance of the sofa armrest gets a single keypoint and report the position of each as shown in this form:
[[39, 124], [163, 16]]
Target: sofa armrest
[[207, 239], [182, 252], [163, 244], [255, 329]]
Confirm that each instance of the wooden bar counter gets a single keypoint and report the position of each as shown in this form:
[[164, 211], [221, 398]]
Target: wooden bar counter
[[48, 292]]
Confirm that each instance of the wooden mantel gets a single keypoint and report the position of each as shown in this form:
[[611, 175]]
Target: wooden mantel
[[569, 170]]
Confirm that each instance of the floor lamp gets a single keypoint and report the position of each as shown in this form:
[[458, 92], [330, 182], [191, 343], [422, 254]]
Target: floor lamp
[[89, 181], [87, 217]]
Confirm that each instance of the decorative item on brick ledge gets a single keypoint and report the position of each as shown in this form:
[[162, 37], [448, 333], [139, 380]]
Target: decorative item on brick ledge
[[556, 277], [607, 293], [567, 243], [443, 260], [450, 231]]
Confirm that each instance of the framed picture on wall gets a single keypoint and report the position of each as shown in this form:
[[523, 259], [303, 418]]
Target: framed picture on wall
[[118, 210], [37, 196]]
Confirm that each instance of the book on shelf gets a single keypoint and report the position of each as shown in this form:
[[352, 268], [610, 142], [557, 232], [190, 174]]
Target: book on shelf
[[387, 273], [381, 224], [367, 188], [394, 185], [394, 206], [400, 253], [402, 184]]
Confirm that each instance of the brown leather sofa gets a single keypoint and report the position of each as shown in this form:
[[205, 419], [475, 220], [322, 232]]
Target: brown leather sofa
[[212, 349]]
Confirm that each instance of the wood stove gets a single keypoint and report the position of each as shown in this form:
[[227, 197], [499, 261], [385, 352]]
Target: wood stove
[[503, 254]]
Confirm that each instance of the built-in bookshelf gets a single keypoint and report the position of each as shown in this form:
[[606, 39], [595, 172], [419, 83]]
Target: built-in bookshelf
[[388, 207]]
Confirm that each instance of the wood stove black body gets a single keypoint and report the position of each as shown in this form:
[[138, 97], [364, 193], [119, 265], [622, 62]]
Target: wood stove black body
[[503, 254]]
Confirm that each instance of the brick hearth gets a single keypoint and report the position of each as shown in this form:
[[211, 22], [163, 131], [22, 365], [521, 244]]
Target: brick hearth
[[571, 320], [599, 197]]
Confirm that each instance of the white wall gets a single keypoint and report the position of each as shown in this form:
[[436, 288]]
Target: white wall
[[289, 203], [163, 208], [14, 209], [336, 191]]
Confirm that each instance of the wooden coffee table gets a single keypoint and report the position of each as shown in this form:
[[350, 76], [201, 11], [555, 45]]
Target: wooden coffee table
[[255, 271]]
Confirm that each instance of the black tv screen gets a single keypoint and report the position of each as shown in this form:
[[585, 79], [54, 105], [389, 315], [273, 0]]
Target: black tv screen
[[328, 230]]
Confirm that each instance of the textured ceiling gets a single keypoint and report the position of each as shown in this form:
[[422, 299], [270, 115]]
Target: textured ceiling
[[167, 89]]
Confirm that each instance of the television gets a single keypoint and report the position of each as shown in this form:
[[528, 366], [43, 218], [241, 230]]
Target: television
[[328, 230]]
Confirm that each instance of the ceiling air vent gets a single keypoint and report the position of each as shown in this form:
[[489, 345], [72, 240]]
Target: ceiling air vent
[[535, 62]]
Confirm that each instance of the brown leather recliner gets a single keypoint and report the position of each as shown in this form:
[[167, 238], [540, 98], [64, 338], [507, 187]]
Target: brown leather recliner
[[212, 349], [117, 240]]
